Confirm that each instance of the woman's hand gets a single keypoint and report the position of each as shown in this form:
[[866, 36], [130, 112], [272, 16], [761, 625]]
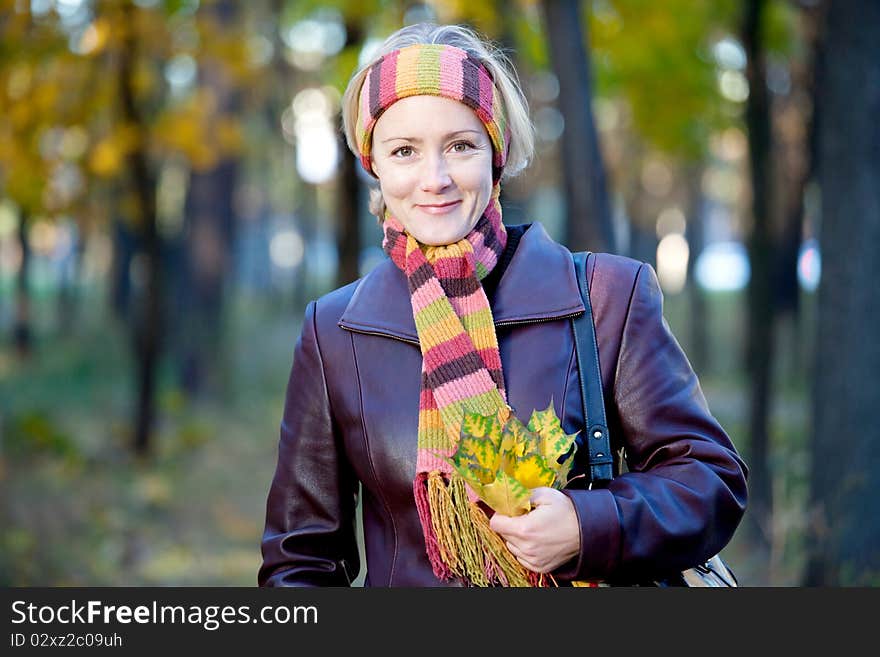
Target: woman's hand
[[544, 538]]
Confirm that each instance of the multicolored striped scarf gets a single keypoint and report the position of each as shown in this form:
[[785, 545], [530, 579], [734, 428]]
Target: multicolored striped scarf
[[461, 362]]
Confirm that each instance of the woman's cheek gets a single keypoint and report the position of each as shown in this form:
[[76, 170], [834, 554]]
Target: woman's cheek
[[474, 173], [397, 183]]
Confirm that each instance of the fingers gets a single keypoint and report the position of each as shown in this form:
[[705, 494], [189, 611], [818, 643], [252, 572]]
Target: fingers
[[533, 562], [544, 538], [523, 525], [515, 532], [502, 524], [520, 554], [542, 495]]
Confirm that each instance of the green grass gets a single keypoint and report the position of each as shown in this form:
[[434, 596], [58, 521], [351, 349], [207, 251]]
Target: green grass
[[79, 509]]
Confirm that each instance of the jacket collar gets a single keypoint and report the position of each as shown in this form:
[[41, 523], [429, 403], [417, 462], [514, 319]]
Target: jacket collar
[[539, 284]]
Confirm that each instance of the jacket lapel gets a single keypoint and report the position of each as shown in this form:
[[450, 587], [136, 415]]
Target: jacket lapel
[[539, 284]]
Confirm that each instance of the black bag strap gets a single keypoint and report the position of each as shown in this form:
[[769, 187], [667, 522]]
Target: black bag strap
[[596, 441]]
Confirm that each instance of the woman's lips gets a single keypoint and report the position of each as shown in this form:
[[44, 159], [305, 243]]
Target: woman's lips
[[439, 208]]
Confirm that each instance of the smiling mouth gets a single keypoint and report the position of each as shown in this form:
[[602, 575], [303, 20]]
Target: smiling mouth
[[438, 208]]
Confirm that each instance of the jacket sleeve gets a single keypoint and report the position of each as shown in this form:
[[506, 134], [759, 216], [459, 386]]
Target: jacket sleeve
[[309, 537], [685, 492]]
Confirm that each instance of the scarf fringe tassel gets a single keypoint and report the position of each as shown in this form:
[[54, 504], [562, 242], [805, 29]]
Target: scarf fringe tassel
[[458, 538]]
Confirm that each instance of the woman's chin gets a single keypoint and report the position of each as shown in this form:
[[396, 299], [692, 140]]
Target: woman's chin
[[443, 240], [438, 235]]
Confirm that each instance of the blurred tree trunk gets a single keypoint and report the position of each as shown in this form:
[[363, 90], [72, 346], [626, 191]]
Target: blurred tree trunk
[[759, 346], [641, 207], [22, 331], [22, 335], [208, 239], [844, 533], [799, 157], [800, 162], [348, 239], [514, 198], [286, 82], [205, 260], [698, 317], [307, 212], [148, 319], [348, 236], [588, 208], [786, 287], [124, 248], [68, 290]]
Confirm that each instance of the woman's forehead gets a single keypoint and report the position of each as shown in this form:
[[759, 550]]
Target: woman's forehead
[[418, 117]]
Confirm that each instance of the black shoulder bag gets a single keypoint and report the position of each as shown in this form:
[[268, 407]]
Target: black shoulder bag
[[594, 444]]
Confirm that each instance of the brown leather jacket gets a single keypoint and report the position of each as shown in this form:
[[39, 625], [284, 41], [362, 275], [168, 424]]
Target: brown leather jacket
[[351, 415]]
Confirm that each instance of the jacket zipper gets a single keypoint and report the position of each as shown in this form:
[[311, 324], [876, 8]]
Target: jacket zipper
[[538, 321], [508, 323]]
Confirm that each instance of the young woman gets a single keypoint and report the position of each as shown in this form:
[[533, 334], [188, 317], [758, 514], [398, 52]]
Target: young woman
[[468, 315]]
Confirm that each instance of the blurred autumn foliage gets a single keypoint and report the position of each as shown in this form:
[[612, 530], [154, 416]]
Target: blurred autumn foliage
[[174, 189]]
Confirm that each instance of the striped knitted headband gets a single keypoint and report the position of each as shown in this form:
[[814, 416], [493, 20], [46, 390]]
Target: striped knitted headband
[[432, 70]]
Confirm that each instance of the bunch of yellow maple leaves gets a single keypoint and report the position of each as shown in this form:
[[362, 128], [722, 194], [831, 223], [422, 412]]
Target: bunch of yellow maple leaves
[[503, 460]]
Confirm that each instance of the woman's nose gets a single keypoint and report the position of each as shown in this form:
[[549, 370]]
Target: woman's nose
[[435, 174]]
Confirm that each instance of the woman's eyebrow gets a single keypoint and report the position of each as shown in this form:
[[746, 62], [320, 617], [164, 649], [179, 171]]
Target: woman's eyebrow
[[416, 140]]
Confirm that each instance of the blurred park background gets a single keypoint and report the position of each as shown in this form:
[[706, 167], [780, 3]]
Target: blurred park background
[[174, 189]]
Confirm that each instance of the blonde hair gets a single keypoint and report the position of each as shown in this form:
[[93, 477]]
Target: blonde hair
[[522, 133]]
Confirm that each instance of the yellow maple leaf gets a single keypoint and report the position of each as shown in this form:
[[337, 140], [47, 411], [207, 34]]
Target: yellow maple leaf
[[506, 495], [532, 472], [554, 442]]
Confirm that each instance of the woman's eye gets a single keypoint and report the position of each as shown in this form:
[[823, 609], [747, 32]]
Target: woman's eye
[[403, 151], [462, 146]]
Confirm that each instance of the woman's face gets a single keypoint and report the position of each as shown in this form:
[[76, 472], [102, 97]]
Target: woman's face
[[433, 158]]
